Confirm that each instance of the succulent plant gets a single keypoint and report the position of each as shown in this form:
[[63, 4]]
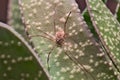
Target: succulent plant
[[68, 43], [108, 31], [79, 57]]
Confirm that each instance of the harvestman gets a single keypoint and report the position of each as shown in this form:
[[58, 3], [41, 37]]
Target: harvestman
[[59, 38]]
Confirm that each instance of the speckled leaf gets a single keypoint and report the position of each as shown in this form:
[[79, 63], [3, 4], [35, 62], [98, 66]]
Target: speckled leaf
[[15, 18], [108, 29], [40, 16], [17, 60]]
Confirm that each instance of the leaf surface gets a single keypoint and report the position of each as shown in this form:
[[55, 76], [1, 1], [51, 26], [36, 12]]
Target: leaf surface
[[17, 59]]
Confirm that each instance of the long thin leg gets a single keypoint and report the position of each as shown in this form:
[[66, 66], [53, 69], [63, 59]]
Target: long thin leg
[[45, 33], [76, 62], [50, 50], [48, 58], [54, 27], [36, 35], [83, 67], [54, 24], [54, 20], [65, 27], [66, 21]]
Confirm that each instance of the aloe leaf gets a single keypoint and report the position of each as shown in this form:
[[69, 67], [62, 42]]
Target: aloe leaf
[[108, 30], [17, 59], [15, 18], [79, 49]]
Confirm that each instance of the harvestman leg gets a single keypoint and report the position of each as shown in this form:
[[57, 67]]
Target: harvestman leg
[[46, 33], [76, 62], [81, 66], [36, 35], [49, 56], [72, 57], [54, 27], [50, 50], [54, 34], [54, 20], [51, 39], [66, 22]]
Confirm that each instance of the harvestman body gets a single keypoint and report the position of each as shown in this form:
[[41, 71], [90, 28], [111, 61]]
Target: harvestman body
[[59, 39]]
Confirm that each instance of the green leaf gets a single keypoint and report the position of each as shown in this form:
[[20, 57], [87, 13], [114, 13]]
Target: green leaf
[[79, 49], [118, 14], [108, 29], [17, 60], [15, 18]]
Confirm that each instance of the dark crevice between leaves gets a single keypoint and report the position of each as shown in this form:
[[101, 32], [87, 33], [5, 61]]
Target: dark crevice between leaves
[[4, 8], [112, 5], [90, 25], [81, 4]]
